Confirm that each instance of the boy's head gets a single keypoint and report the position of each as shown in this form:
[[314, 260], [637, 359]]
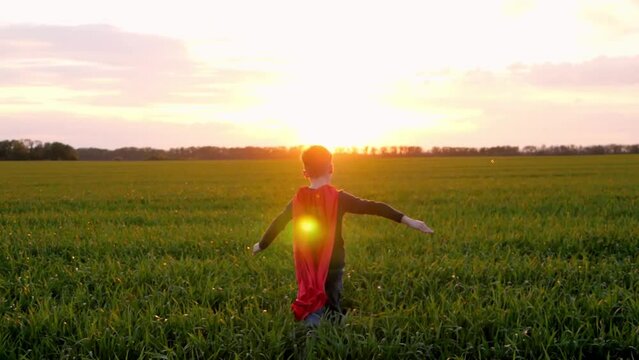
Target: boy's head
[[318, 162]]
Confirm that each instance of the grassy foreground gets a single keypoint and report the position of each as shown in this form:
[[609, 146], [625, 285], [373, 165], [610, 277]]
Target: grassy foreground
[[532, 258]]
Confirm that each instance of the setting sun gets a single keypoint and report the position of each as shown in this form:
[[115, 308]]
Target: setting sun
[[286, 73]]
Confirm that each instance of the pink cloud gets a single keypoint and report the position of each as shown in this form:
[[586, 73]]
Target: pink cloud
[[113, 133], [507, 114], [138, 68], [602, 71]]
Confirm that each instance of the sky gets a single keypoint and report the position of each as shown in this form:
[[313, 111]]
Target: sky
[[340, 73]]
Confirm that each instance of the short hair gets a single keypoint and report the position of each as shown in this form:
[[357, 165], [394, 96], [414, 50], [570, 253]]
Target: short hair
[[317, 160]]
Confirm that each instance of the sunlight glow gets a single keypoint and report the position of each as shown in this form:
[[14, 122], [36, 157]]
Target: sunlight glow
[[308, 225]]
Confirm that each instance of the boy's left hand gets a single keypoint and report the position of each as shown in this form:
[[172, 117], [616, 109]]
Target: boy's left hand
[[421, 226], [256, 248]]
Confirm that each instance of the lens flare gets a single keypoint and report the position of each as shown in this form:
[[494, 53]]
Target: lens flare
[[308, 225], [309, 230]]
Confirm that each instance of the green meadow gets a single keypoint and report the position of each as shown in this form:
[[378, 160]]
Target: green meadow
[[532, 257]]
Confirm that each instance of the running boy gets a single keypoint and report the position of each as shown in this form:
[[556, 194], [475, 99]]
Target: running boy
[[318, 246]]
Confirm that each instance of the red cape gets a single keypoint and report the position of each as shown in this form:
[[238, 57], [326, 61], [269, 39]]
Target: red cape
[[314, 220]]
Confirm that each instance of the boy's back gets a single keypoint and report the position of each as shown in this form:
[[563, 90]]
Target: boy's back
[[319, 268], [347, 203]]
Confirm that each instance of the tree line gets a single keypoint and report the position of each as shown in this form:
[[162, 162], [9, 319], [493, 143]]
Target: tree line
[[36, 150], [282, 152], [26, 149]]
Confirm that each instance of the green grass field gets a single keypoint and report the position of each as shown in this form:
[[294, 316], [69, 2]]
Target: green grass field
[[533, 257]]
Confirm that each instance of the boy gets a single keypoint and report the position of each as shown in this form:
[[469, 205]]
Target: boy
[[318, 246]]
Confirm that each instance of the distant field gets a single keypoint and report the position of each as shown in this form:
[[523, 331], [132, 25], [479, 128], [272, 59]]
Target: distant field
[[533, 257]]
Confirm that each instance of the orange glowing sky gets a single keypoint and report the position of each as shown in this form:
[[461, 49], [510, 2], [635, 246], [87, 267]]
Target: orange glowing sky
[[428, 73]]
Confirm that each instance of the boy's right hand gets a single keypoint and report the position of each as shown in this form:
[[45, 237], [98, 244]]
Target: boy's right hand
[[417, 225]]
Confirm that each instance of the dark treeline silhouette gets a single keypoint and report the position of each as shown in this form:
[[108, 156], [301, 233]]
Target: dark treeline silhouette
[[281, 152], [468, 151], [36, 150], [190, 153]]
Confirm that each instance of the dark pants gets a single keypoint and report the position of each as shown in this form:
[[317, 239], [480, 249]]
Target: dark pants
[[333, 287], [332, 309]]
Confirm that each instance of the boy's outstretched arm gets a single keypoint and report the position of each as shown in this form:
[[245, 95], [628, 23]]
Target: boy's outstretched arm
[[278, 224], [356, 205]]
